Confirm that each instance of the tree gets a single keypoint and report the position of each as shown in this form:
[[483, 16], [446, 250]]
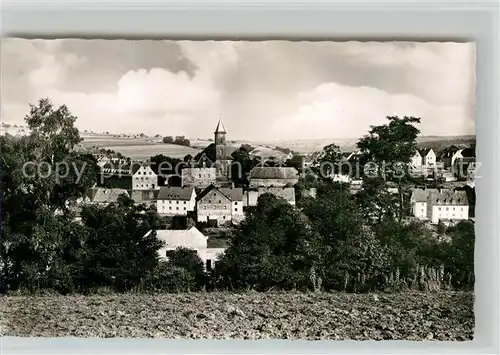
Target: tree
[[295, 162], [121, 248], [390, 148], [241, 166], [274, 247], [188, 158], [328, 160], [168, 140], [165, 167], [189, 260]]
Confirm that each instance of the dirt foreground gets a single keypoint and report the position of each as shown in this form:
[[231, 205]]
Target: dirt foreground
[[222, 315]]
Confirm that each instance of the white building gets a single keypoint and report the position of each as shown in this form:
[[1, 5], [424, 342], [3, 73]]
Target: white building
[[436, 205], [144, 179], [175, 201], [423, 159], [191, 239]]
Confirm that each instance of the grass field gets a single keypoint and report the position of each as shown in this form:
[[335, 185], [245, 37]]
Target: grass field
[[138, 148], [251, 315]]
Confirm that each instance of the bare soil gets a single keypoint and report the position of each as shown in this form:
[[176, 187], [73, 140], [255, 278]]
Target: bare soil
[[223, 315]]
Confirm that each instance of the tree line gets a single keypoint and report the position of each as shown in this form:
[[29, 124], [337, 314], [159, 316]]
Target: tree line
[[335, 241]]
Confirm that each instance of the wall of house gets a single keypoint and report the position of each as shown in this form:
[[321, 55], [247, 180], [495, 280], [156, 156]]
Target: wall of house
[[272, 182], [420, 210], [214, 206], [430, 158], [144, 179], [449, 212], [175, 207], [198, 177], [416, 160], [251, 198], [237, 211]]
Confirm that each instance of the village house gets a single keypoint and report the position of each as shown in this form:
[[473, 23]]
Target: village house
[[252, 195], [439, 204], [220, 205], [262, 176], [190, 239], [449, 155], [462, 161], [199, 177], [175, 201], [423, 160], [144, 178], [103, 196], [146, 197]]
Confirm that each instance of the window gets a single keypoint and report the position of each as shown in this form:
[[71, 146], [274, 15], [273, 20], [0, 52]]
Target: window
[[200, 176], [453, 208], [170, 208], [447, 208], [204, 207], [237, 210], [184, 202], [209, 201], [220, 201], [177, 202], [177, 208], [184, 208], [225, 207], [439, 208]]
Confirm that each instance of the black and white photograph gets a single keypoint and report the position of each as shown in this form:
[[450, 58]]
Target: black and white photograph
[[209, 189]]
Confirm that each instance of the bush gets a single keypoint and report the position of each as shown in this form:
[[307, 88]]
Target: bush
[[168, 278]]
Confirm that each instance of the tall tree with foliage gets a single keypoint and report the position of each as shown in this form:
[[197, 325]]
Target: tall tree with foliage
[[389, 148], [275, 247]]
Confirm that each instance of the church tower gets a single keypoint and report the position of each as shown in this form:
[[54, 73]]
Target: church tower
[[221, 160], [220, 140]]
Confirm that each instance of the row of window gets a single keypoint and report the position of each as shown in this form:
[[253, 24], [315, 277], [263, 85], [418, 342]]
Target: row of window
[[144, 173], [453, 208], [144, 186], [170, 208], [170, 201], [225, 207]]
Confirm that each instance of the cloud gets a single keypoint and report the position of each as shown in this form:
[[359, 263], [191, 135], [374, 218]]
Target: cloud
[[271, 89]]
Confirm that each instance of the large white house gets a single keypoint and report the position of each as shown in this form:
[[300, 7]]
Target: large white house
[[439, 204], [191, 239], [175, 201], [144, 179]]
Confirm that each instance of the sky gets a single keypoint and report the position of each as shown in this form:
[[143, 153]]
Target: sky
[[267, 90]]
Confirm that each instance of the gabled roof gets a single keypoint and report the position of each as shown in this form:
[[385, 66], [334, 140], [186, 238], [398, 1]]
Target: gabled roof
[[449, 197], [439, 196], [104, 195], [175, 193], [188, 238], [424, 151], [136, 167], [265, 172], [232, 194]]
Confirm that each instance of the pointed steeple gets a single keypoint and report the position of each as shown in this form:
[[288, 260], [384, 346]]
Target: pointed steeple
[[220, 127]]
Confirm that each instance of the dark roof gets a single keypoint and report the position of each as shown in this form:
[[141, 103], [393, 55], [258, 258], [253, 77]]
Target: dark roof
[[469, 152], [424, 151], [443, 196], [175, 193], [264, 172], [233, 193]]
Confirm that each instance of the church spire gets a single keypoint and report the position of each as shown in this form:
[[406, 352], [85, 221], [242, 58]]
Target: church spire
[[220, 126]]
